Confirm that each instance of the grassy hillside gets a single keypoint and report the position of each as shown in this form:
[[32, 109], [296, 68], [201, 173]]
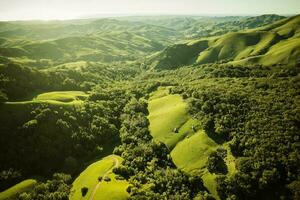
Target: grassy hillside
[[168, 117], [273, 44], [190, 145], [19, 188], [114, 189], [44, 44], [192, 153], [65, 96], [19, 111], [105, 47], [106, 40]]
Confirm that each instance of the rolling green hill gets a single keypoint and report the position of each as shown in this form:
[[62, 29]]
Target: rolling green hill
[[168, 116], [273, 44], [113, 189], [94, 93], [19, 188], [190, 145], [44, 44], [114, 46], [104, 40]]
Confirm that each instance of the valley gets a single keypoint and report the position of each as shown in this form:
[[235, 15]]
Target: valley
[[150, 107]]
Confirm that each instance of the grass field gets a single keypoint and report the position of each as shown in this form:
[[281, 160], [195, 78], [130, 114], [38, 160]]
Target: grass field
[[21, 187], [62, 96], [209, 181], [192, 153], [190, 146], [166, 113], [114, 190], [57, 98]]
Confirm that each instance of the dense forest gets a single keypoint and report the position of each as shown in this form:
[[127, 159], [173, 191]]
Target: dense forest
[[191, 108]]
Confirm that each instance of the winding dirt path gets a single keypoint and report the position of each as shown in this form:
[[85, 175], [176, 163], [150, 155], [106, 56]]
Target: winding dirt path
[[116, 164]]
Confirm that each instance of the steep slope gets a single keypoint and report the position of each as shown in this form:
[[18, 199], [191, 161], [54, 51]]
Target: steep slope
[[180, 54], [236, 46], [272, 44]]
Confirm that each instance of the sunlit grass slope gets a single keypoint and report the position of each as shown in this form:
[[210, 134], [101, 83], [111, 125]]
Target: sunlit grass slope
[[57, 98], [191, 146], [62, 96], [236, 46], [168, 112], [277, 43], [19, 112], [192, 153], [114, 189], [21, 187]]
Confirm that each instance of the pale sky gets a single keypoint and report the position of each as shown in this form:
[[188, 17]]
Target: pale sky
[[68, 9]]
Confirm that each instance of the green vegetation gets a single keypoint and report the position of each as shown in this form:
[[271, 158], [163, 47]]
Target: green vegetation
[[18, 189], [147, 164], [65, 96], [114, 189], [57, 188], [192, 153], [154, 107], [167, 114], [269, 45]]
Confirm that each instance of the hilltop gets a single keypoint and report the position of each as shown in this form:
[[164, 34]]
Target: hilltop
[[277, 43], [129, 39]]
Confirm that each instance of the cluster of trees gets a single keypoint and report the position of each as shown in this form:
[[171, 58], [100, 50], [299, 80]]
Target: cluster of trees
[[147, 164], [58, 188], [258, 112], [44, 138], [253, 108], [40, 139], [19, 82], [216, 163]]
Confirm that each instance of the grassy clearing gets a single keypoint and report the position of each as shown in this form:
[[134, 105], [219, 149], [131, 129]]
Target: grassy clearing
[[166, 113], [160, 92], [21, 187], [190, 146], [59, 98], [190, 149], [79, 65], [209, 181], [62, 96], [230, 161], [191, 153], [115, 189]]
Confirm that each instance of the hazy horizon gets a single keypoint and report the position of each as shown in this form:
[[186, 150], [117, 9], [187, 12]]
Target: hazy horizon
[[61, 10]]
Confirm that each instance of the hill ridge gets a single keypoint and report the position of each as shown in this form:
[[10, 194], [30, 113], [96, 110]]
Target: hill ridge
[[255, 46]]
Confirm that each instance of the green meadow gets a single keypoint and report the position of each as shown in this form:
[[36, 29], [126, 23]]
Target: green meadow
[[114, 189], [168, 116], [19, 188]]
